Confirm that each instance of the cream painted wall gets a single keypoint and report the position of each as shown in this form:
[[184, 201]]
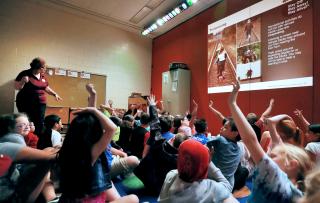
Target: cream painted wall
[[29, 29]]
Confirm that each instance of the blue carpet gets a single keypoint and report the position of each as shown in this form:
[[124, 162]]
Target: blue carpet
[[249, 185], [130, 186]]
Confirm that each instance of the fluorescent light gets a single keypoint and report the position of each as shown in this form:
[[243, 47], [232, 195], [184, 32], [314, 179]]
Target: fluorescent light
[[145, 32], [160, 22], [184, 6], [154, 26], [164, 19]]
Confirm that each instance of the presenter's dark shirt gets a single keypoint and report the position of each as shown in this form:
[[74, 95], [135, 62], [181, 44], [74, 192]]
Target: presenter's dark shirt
[[34, 90]]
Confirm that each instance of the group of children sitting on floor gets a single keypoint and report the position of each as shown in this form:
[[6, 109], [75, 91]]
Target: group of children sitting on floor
[[173, 156]]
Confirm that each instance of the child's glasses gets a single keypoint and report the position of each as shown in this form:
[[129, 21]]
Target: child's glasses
[[23, 125]]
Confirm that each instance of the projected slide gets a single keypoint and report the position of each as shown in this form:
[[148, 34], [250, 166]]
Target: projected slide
[[267, 45]]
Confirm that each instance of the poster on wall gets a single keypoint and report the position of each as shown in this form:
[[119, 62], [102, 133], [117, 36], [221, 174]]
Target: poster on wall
[[85, 75], [267, 45], [59, 71], [72, 73]]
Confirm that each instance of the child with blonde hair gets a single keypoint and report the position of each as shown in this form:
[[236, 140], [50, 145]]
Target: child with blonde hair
[[312, 183], [277, 177]]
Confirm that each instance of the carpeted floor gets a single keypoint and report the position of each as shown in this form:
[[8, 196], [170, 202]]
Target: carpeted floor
[[132, 185]]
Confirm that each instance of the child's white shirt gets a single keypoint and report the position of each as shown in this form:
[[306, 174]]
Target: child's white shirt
[[56, 138]]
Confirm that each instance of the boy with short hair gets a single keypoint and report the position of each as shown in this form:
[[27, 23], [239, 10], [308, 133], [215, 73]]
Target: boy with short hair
[[201, 127], [226, 151]]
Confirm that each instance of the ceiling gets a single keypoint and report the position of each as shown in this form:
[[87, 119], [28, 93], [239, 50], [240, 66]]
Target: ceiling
[[132, 15]]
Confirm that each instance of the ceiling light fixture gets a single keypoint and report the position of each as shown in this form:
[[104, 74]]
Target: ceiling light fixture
[[184, 6], [160, 22], [191, 2], [164, 19], [168, 16]]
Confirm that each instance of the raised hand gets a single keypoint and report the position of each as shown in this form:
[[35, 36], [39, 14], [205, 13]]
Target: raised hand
[[301, 117], [215, 111], [234, 94], [187, 112], [271, 102], [211, 104], [152, 100], [110, 102], [92, 99], [195, 103], [139, 111], [90, 88], [195, 108], [298, 113]]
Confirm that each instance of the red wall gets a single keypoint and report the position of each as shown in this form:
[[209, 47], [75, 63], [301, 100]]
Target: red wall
[[187, 43]]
